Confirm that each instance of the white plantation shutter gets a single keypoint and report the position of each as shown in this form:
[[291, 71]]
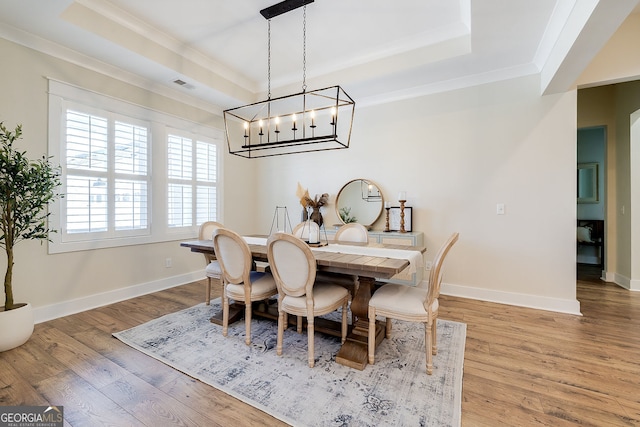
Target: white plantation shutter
[[86, 200], [206, 177], [106, 176], [192, 179], [131, 205]]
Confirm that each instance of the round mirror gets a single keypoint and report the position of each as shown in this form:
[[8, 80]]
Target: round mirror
[[359, 201]]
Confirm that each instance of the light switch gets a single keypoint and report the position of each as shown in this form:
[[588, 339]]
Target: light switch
[[500, 208]]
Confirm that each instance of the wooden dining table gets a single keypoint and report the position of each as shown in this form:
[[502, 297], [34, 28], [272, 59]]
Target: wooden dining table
[[367, 268]]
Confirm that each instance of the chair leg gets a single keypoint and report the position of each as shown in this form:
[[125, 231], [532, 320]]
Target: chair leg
[[282, 318], [310, 340], [207, 297], [247, 322], [427, 349], [434, 337], [299, 324], [225, 314], [372, 334], [388, 328]]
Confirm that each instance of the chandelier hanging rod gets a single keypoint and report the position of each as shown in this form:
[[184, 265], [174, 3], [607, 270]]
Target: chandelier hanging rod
[[283, 7]]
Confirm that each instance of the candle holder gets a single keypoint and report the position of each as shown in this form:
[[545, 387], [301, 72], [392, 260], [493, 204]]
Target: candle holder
[[402, 202], [386, 227]]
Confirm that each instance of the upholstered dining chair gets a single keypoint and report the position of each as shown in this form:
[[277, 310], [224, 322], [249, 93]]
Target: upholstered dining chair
[[294, 270], [212, 270], [302, 230], [240, 282], [413, 304], [352, 232]]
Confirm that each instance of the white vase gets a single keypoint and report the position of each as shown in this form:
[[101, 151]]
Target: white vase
[[16, 326]]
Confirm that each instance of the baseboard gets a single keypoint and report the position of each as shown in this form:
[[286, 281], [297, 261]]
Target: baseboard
[[627, 283], [66, 308], [608, 276], [511, 298]]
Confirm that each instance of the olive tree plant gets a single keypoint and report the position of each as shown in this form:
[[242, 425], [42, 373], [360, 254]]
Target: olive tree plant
[[26, 188]]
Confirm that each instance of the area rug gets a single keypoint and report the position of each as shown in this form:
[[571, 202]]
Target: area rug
[[395, 391]]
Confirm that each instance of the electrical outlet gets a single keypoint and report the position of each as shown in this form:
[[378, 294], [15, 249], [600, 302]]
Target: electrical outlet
[[168, 263], [428, 265]]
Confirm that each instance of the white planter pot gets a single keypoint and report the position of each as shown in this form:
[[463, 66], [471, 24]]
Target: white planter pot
[[16, 326]]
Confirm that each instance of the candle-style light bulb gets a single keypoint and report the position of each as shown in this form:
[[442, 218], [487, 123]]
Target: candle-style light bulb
[[293, 119], [277, 123], [246, 127], [260, 124], [313, 118], [333, 116]]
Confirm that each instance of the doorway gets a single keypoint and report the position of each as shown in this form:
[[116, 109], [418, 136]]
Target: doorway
[[591, 149]]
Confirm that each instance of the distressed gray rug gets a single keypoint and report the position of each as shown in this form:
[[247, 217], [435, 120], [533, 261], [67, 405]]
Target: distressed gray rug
[[395, 391]]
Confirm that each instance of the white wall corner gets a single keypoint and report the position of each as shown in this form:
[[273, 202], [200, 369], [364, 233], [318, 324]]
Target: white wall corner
[[634, 285], [608, 276], [621, 280], [568, 306]]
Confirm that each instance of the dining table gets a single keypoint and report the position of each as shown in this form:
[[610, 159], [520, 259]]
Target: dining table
[[367, 261]]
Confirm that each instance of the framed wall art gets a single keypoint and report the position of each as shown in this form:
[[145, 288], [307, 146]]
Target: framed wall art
[[394, 219]]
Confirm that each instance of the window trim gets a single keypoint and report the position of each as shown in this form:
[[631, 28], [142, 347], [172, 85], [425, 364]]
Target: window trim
[[161, 124]]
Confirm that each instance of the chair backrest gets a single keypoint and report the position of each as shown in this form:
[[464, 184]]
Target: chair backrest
[[352, 232], [435, 277], [206, 233], [302, 230], [234, 256], [292, 264]]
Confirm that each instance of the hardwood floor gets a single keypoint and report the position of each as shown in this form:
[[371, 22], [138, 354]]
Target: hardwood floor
[[522, 367]]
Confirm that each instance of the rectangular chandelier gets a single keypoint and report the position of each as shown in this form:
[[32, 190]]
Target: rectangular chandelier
[[315, 120]]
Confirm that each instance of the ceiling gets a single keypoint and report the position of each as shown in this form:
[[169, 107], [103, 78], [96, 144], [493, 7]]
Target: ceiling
[[376, 50]]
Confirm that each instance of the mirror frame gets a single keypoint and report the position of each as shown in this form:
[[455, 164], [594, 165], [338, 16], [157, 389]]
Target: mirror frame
[[593, 196], [368, 182]]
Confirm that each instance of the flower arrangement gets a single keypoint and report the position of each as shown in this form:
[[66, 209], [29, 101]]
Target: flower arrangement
[[312, 205]]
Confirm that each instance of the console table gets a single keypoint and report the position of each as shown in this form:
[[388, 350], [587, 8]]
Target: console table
[[394, 238]]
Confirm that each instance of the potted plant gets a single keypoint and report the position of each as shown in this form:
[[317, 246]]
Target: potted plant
[[26, 188]]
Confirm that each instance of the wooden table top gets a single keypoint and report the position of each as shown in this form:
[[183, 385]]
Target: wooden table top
[[360, 265]]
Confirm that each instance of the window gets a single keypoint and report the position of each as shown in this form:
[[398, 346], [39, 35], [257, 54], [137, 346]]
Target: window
[[108, 150], [105, 175], [192, 172]]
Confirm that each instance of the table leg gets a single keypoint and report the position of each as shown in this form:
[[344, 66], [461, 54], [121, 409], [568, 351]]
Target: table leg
[[236, 312], [354, 352]]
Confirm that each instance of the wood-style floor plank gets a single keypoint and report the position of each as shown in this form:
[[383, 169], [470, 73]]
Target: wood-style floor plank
[[522, 366]]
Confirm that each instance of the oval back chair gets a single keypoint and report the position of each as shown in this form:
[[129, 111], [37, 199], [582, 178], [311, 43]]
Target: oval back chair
[[212, 270], [240, 282], [294, 270], [413, 304]]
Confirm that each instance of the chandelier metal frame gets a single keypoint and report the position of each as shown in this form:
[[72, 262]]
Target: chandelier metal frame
[[307, 121]]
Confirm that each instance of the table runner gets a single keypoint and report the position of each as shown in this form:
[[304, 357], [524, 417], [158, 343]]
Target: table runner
[[414, 257]]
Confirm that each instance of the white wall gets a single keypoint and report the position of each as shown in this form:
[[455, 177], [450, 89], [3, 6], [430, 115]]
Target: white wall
[[63, 283], [457, 155]]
